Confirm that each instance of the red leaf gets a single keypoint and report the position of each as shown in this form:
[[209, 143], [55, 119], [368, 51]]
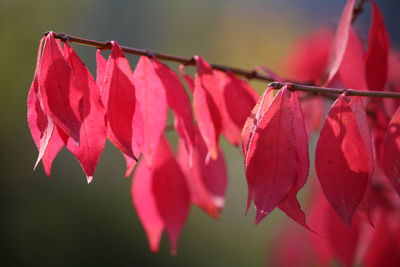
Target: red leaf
[[130, 165], [380, 122], [206, 179], [358, 109], [376, 58], [152, 97], [137, 124], [179, 102], [137, 131], [384, 248], [57, 141], [137, 141], [310, 56], [340, 42], [352, 69], [60, 93], [269, 177], [337, 242], [92, 115], [313, 109], [118, 94], [238, 91], [250, 127], [229, 91], [161, 197], [390, 156], [291, 205], [144, 201], [291, 248], [188, 79], [205, 106], [228, 127], [269, 72], [342, 160], [343, 240], [254, 119], [38, 121], [42, 127], [101, 64], [171, 192]]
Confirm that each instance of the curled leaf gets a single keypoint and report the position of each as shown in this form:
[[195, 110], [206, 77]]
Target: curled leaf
[[60, 94], [206, 179], [339, 43], [205, 106], [273, 144], [291, 205], [45, 134]]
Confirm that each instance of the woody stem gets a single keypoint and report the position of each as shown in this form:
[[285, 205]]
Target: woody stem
[[248, 74], [162, 56], [327, 91]]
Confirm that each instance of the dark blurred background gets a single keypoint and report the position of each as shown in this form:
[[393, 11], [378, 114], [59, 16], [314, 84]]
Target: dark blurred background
[[62, 221]]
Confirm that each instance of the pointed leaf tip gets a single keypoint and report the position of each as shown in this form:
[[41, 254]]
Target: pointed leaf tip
[[89, 179], [161, 197], [92, 115]]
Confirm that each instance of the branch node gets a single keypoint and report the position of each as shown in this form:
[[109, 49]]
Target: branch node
[[191, 61], [63, 37], [253, 73], [224, 69], [108, 45], [150, 53], [275, 85], [290, 87], [345, 91]]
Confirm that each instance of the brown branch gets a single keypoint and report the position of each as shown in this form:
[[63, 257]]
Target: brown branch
[[167, 57], [327, 91], [248, 74]]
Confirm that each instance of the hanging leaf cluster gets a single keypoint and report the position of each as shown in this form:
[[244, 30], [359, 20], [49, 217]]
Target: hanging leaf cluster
[[356, 156]]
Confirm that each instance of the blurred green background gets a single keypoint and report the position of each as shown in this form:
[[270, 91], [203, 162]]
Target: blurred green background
[[62, 221]]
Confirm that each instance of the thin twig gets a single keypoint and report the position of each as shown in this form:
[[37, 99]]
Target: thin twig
[[326, 90], [247, 74], [167, 57]]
